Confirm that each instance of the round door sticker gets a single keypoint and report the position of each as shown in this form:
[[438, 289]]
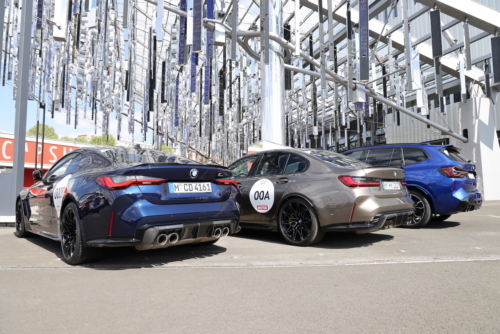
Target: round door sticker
[[262, 195]]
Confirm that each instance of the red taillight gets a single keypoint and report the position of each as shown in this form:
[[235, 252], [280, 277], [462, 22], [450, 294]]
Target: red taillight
[[111, 223], [403, 184], [117, 182], [453, 171], [226, 182], [358, 181]]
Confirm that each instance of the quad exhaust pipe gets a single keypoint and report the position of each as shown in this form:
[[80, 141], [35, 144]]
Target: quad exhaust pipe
[[173, 238], [163, 239], [217, 232], [220, 232]]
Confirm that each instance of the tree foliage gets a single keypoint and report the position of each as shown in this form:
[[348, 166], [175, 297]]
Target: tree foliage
[[50, 133], [103, 141], [65, 138], [82, 140], [165, 148]]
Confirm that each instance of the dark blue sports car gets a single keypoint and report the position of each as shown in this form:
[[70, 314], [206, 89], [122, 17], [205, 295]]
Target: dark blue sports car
[[114, 196]]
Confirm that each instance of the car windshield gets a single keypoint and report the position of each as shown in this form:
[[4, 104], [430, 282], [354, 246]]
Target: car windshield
[[143, 156], [454, 154], [336, 159]]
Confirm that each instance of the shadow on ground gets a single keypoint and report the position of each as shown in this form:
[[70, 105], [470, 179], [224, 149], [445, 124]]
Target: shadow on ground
[[441, 225], [330, 241], [121, 258]]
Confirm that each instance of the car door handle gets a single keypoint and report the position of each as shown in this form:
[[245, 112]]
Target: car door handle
[[282, 180]]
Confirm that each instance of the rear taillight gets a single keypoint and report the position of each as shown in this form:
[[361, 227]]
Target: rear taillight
[[359, 181], [226, 182], [117, 182], [453, 171]]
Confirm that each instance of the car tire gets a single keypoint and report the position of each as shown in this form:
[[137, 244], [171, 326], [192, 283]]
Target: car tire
[[439, 218], [72, 244], [298, 223], [423, 210], [20, 231]]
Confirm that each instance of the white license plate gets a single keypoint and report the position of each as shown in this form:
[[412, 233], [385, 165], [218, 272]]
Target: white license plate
[[471, 176], [190, 187], [391, 185]]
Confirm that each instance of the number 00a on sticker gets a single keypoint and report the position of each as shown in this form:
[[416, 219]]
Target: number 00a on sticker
[[262, 195]]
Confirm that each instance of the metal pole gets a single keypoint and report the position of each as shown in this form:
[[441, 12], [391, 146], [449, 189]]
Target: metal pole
[[36, 144], [22, 97], [272, 76], [406, 29], [2, 19], [43, 136]]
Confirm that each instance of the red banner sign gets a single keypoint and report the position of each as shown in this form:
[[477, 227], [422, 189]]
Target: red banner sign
[[51, 152]]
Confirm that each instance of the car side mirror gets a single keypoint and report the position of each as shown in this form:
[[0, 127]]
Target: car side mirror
[[37, 175], [50, 180]]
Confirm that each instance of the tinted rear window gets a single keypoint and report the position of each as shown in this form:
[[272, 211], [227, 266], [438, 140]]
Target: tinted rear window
[[272, 164], [336, 159], [453, 154], [142, 156], [295, 164], [413, 155], [355, 154], [397, 159], [379, 157]]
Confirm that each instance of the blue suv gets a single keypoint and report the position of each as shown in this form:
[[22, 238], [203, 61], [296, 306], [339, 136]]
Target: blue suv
[[441, 182]]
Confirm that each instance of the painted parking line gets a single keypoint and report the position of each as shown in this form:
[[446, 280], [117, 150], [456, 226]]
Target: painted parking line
[[252, 266]]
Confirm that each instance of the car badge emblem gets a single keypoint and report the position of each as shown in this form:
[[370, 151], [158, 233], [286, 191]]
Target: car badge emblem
[[395, 174], [193, 173]]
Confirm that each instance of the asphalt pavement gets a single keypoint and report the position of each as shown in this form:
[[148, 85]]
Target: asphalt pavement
[[443, 278]]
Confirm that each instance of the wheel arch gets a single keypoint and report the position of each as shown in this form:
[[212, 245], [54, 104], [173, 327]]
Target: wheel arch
[[286, 198], [24, 207], [66, 200], [425, 193]]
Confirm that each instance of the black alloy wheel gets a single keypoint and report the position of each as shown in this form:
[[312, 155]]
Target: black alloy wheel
[[20, 226], [68, 233], [298, 223], [72, 246], [422, 213]]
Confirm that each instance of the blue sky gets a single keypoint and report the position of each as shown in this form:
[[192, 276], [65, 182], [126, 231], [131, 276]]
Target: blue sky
[[85, 126]]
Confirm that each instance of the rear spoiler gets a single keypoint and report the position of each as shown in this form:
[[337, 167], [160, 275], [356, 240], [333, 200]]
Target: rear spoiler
[[176, 164], [458, 149]]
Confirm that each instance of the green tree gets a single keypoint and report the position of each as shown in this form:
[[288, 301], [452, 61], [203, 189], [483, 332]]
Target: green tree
[[103, 141], [82, 140], [65, 138], [50, 133], [165, 148]]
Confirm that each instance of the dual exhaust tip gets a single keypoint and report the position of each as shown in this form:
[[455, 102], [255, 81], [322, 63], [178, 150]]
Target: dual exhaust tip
[[164, 239], [220, 232]]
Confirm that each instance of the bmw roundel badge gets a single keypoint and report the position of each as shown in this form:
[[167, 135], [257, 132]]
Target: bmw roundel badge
[[193, 173]]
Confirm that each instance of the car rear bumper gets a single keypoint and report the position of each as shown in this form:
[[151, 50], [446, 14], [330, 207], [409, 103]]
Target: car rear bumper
[[459, 202], [469, 204], [381, 221], [146, 236]]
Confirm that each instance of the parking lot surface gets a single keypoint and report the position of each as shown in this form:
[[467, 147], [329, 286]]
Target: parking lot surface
[[442, 278]]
